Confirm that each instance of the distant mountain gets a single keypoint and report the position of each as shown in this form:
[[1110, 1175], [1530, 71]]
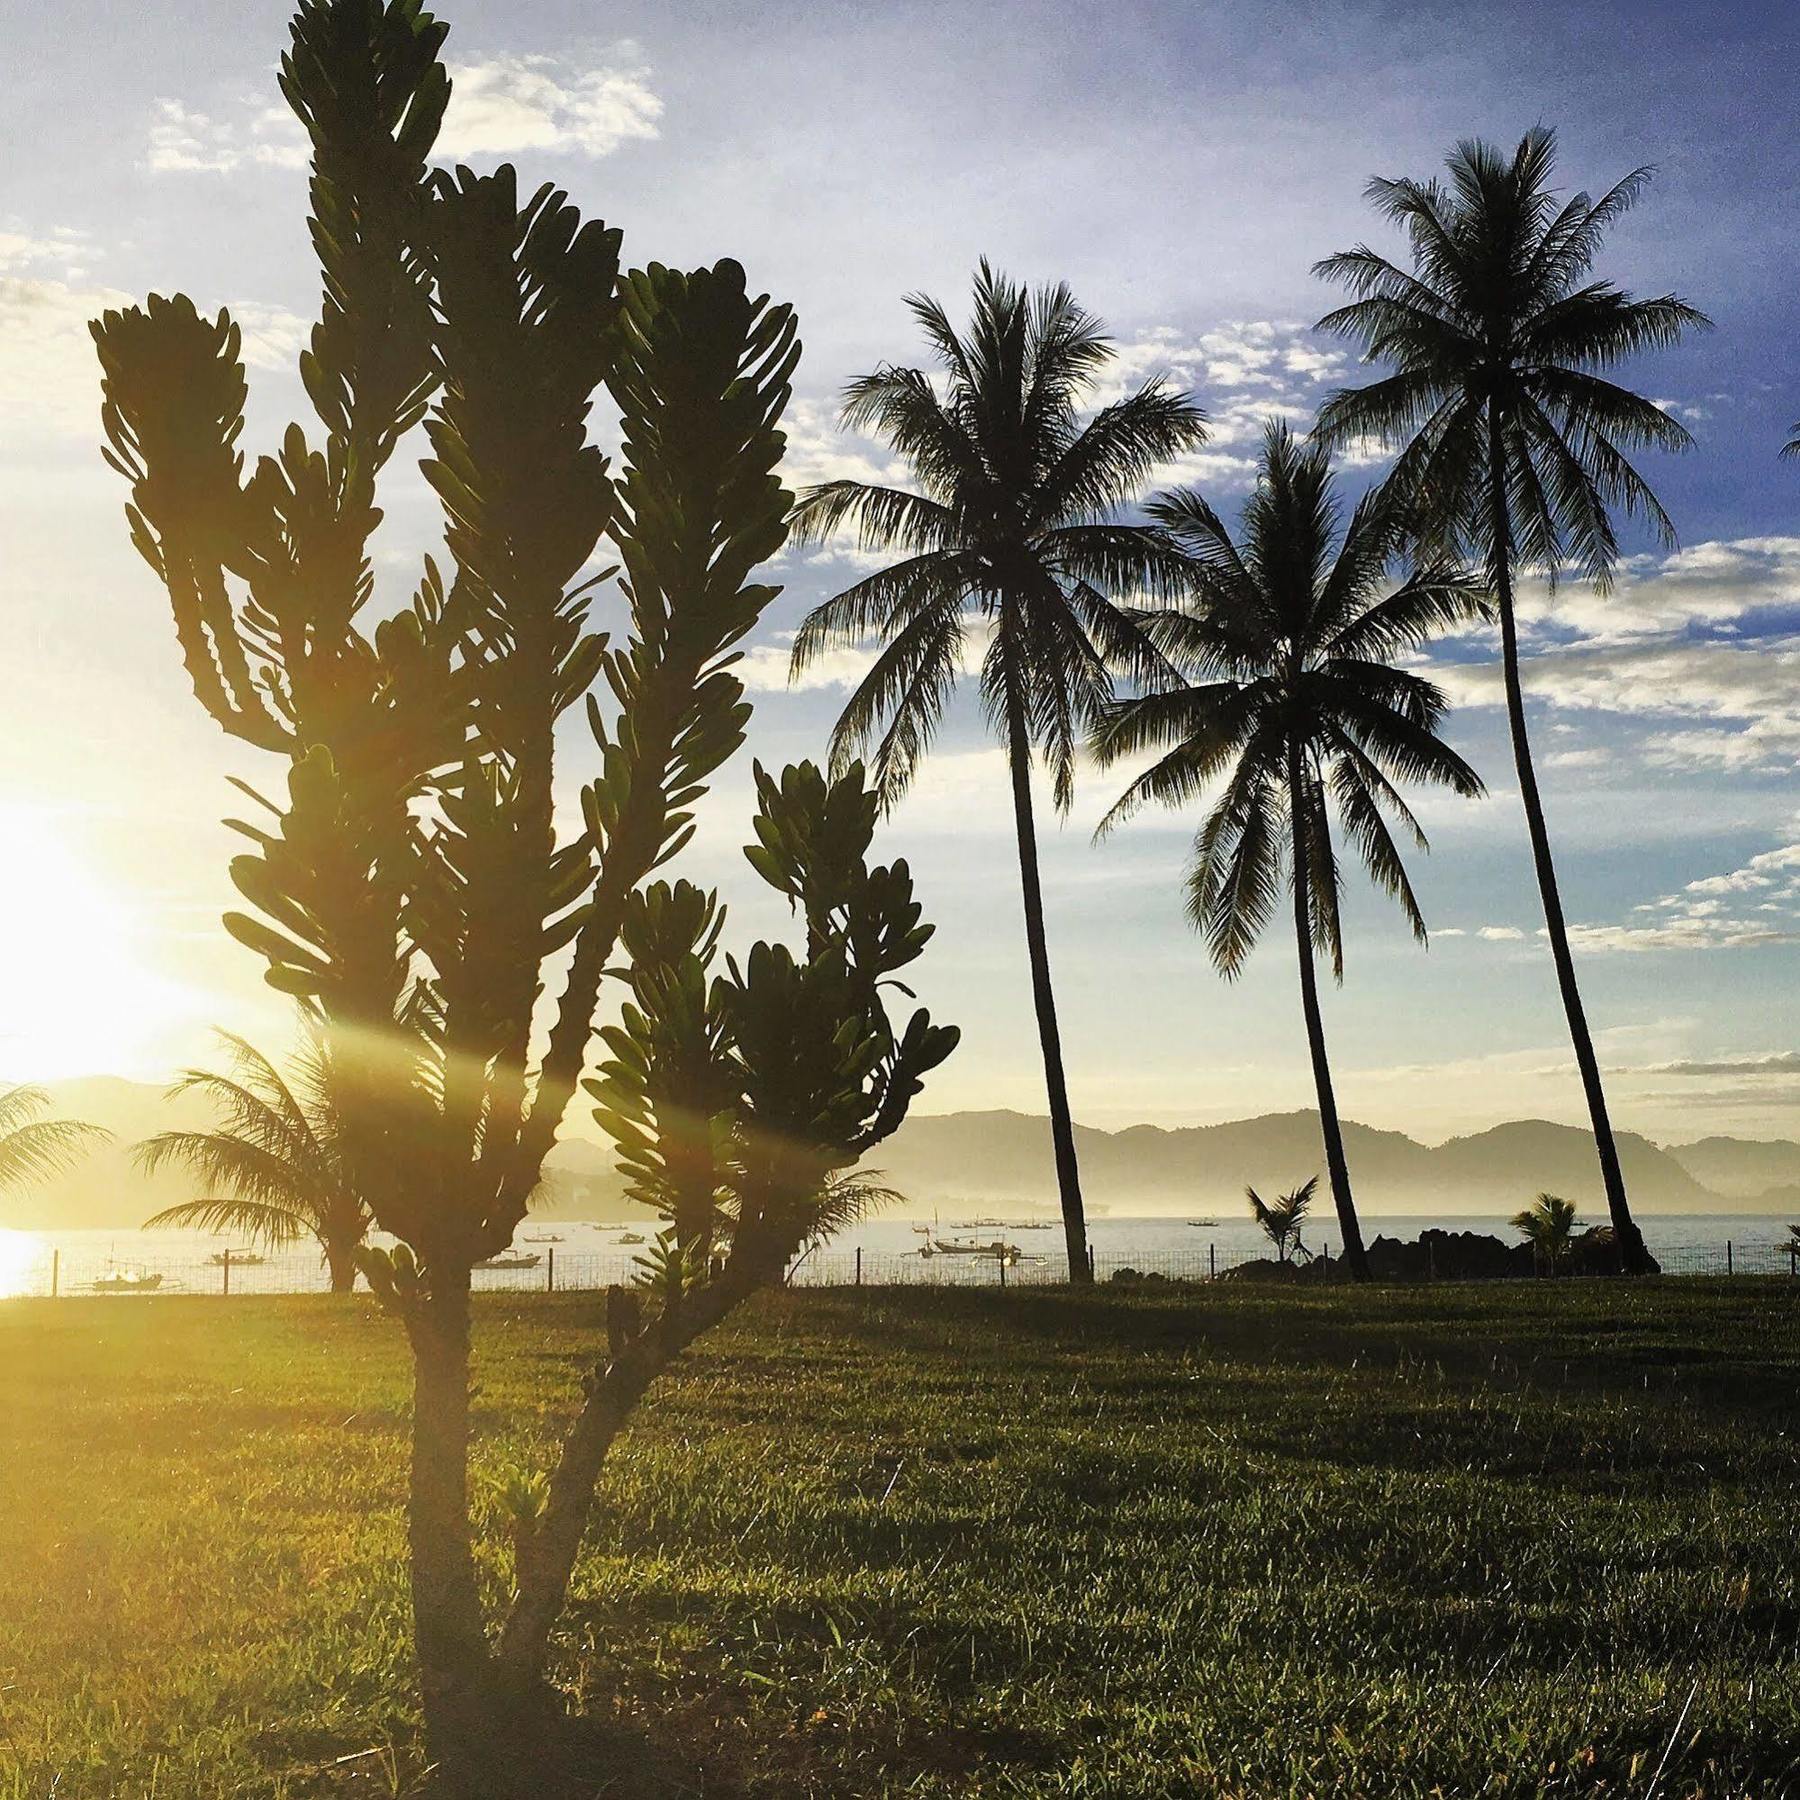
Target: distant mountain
[[1743, 1168], [935, 1158], [976, 1158], [106, 1192]]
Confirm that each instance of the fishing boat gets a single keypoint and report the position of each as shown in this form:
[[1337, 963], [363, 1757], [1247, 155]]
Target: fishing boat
[[1205, 1224], [126, 1281], [997, 1251], [512, 1259], [239, 1259], [631, 1237], [542, 1237]]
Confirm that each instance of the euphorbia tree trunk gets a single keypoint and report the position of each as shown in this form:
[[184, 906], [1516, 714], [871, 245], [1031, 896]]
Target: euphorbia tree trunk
[[454, 1665], [1630, 1241], [1056, 1087], [1336, 1164]]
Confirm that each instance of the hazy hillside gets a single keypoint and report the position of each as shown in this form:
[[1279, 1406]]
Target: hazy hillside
[[1006, 1155], [952, 1159], [1741, 1167]]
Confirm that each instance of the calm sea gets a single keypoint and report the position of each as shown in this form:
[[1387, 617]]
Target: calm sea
[[571, 1254]]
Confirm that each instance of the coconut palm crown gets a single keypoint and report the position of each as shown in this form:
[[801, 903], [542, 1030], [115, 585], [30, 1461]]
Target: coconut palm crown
[[37, 1149], [1293, 710], [1513, 439], [275, 1167], [1010, 545]]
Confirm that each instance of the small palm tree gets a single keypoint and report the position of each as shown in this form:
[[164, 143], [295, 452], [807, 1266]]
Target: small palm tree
[[1293, 699], [275, 1165], [1013, 528], [1548, 1226], [1514, 442], [1792, 446], [35, 1149], [1282, 1222]]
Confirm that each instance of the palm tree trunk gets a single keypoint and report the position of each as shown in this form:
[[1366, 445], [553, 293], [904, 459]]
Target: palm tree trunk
[[1062, 1127], [1632, 1257], [455, 1668], [1336, 1164]]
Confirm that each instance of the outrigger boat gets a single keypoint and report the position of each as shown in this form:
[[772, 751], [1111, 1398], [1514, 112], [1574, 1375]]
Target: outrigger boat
[[997, 1251], [543, 1237], [239, 1259], [512, 1259], [631, 1237], [126, 1281]]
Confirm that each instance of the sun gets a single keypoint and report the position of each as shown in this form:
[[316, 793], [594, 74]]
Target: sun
[[78, 991]]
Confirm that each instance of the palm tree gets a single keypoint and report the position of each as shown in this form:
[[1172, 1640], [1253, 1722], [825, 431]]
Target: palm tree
[[1282, 1223], [1013, 528], [1515, 443], [1548, 1226], [1293, 698], [276, 1165], [34, 1149]]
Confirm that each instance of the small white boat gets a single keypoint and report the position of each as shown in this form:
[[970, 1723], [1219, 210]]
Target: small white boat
[[542, 1237], [126, 1281], [239, 1259], [1206, 1224], [512, 1259]]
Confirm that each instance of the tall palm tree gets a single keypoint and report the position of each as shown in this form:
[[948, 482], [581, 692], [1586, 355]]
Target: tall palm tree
[[275, 1166], [35, 1149], [1013, 530], [1515, 442], [1292, 696]]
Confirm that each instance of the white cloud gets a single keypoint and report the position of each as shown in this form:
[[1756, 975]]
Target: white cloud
[[185, 141], [545, 103], [505, 104], [1501, 934]]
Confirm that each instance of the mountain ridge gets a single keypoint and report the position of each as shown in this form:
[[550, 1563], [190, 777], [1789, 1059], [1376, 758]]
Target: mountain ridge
[[1000, 1155]]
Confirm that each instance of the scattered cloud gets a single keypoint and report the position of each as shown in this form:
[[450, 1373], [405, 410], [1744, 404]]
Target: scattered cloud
[[186, 141], [1781, 1063], [504, 104], [1501, 934], [546, 103], [1751, 906]]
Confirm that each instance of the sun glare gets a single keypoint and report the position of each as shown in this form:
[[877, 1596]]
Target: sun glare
[[80, 994]]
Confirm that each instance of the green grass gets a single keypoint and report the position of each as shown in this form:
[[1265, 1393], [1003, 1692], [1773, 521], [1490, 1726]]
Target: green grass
[[1444, 1541]]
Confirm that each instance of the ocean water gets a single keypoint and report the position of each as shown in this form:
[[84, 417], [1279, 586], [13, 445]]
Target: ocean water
[[581, 1254]]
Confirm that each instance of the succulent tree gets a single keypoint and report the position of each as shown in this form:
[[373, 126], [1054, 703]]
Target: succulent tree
[[414, 885]]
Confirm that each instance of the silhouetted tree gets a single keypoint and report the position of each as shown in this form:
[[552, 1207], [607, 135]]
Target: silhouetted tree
[[1293, 699], [412, 887], [274, 1166], [1792, 446], [34, 1149], [1013, 529], [1548, 1226], [1283, 1221], [1514, 442]]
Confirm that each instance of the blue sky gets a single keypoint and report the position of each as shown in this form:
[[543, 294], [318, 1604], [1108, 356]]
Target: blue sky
[[1182, 166]]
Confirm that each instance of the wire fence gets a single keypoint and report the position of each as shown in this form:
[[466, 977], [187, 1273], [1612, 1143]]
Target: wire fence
[[66, 1274]]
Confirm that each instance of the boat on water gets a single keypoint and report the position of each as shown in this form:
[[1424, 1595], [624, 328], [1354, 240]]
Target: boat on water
[[542, 1237], [512, 1259], [631, 1237], [996, 1251], [126, 1281], [1209, 1224], [239, 1259]]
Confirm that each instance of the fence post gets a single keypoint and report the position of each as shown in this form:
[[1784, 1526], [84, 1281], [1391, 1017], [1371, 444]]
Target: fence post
[[1212, 1260], [225, 1268], [55, 1271], [1000, 1258], [1090, 1257], [859, 1265], [550, 1270], [1728, 1268]]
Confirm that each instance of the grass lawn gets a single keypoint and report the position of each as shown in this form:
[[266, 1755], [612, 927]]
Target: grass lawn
[[1537, 1539]]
